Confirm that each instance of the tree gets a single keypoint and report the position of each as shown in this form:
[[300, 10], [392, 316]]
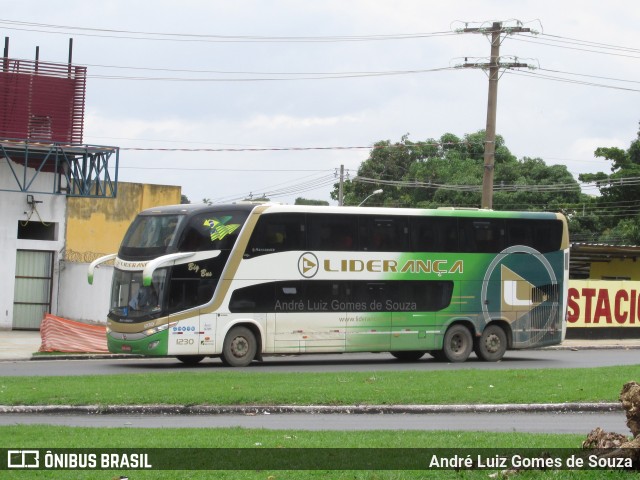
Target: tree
[[448, 172], [617, 206], [305, 201]]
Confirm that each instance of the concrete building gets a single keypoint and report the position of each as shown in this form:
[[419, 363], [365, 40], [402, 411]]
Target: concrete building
[[48, 240], [60, 202]]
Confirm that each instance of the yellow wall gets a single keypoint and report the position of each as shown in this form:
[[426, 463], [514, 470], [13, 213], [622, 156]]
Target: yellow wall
[[616, 268], [96, 226]]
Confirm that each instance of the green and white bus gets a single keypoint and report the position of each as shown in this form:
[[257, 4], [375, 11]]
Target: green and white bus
[[244, 281]]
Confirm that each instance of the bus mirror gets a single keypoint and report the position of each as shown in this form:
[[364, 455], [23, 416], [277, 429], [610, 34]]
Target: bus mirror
[[147, 273], [97, 262]]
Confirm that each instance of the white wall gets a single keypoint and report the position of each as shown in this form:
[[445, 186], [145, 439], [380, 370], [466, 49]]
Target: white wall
[[77, 300], [13, 209]]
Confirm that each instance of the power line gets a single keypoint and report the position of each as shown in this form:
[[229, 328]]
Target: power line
[[589, 76], [207, 169], [284, 190], [569, 80], [278, 149], [590, 42], [586, 44], [626, 181], [193, 37], [295, 76]]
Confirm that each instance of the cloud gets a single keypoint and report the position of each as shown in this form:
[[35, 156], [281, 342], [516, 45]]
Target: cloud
[[277, 122]]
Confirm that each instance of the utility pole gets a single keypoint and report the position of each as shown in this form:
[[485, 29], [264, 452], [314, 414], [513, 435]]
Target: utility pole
[[496, 30]]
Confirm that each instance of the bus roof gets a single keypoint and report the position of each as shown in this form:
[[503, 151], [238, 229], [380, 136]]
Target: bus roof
[[265, 208], [188, 208]]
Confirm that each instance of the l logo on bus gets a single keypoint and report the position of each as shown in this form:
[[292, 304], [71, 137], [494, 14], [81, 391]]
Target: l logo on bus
[[518, 295], [515, 298], [308, 265]]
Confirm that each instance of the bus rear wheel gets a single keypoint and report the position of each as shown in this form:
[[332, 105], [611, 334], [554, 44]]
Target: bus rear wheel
[[492, 345], [408, 356], [458, 344], [239, 347], [190, 359]]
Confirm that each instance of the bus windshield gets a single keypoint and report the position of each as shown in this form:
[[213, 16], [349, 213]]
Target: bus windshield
[[151, 235], [133, 301], [187, 283]]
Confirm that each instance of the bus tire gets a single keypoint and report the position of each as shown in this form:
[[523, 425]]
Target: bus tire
[[239, 348], [190, 359], [492, 345], [458, 344], [408, 356]]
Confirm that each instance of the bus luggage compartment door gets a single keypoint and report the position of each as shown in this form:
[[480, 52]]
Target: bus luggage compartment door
[[413, 331], [309, 332]]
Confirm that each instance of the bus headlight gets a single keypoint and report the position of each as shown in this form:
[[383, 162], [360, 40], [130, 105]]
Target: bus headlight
[[158, 329], [153, 344]]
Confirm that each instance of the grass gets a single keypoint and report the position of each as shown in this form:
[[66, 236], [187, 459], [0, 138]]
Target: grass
[[343, 388], [251, 387], [181, 441]]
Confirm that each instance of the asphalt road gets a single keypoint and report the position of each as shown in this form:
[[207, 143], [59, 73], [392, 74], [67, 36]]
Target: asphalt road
[[521, 359]]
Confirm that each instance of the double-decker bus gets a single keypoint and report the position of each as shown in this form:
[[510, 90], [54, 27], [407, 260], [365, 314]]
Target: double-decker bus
[[243, 281]]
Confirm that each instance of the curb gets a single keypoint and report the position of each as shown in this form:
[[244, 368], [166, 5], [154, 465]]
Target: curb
[[304, 409]]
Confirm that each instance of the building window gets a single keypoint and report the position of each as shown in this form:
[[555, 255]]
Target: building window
[[37, 231]]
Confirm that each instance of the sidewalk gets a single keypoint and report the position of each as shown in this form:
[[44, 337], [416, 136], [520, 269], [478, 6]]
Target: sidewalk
[[18, 344], [21, 345]]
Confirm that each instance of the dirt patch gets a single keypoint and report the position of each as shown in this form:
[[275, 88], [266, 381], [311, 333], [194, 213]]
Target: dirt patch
[[617, 444]]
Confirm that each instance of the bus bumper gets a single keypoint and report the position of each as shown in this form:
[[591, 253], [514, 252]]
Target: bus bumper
[[152, 345]]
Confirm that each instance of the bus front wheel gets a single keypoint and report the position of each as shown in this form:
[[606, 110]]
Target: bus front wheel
[[458, 344], [239, 347], [492, 345]]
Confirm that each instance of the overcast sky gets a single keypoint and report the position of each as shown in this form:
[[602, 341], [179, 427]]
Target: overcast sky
[[258, 78]]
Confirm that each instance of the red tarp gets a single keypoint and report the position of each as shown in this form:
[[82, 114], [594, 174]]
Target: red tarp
[[62, 335]]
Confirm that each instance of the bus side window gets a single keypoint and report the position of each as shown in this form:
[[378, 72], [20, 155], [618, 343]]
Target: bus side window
[[384, 234], [434, 234], [520, 232], [547, 236], [368, 294], [277, 233], [543, 235], [256, 298], [332, 232], [486, 235]]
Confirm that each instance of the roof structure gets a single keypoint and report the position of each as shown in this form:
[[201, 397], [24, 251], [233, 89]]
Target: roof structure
[[582, 255], [81, 170], [41, 127]]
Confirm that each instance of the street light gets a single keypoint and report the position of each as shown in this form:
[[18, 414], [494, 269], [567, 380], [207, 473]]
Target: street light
[[375, 192]]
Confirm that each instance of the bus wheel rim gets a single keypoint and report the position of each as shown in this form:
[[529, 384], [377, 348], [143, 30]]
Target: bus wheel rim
[[239, 347], [492, 343]]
